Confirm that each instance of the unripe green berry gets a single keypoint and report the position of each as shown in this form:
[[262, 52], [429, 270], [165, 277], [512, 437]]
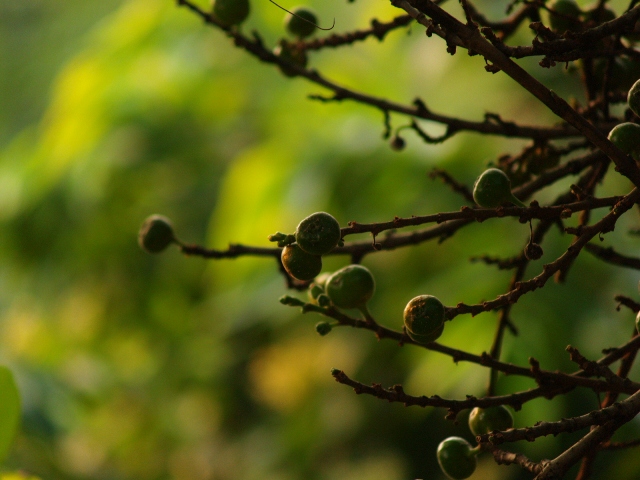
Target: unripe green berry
[[564, 15], [424, 315], [297, 26], [456, 459], [318, 234], [493, 188], [485, 420], [626, 137], [633, 98], [231, 12], [300, 264], [350, 287], [638, 322], [323, 328], [156, 234]]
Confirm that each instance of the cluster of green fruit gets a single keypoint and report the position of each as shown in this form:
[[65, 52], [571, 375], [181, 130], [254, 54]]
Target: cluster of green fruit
[[300, 22], [626, 136], [456, 456], [315, 236]]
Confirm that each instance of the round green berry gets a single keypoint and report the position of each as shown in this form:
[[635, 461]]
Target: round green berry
[[323, 328], [626, 137], [303, 23], [493, 188], [318, 234], [424, 315], [300, 264], [633, 98], [156, 234], [456, 458], [485, 420], [428, 338], [638, 322], [292, 54], [350, 287], [564, 15], [231, 12]]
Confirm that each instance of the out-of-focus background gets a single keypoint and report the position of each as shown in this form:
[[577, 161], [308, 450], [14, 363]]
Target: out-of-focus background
[[133, 366]]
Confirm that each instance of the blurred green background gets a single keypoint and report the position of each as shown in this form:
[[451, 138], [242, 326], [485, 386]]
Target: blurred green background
[[134, 366]]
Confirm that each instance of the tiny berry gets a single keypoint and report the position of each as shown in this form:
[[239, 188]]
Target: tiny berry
[[633, 98], [350, 287], [230, 12], [318, 234], [424, 315], [456, 458], [493, 188], [300, 264], [323, 328], [156, 234], [397, 143], [564, 15], [296, 24], [485, 420], [626, 137], [533, 251]]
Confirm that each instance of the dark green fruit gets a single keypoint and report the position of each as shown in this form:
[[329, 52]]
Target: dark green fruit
[[424, 315], [456, 459], [626, 137], [297, 26], [493, 188], [318, 234], [323, 328], [350, 287], [485, 420], [300, 264], [292, 54], [231, 12], [424, 339], [564, 15], [397, 143], [156, 234], [633, 98]]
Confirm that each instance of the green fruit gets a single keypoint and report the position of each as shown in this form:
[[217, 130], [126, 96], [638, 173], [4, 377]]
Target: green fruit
[[626, 137], [316, 288], [323, 328], [156, 234], [350, 287], [297, 26], [300, 264], [456, 458], [292, 54], [428, 338], [231, 12], [564, 15], [485, 420], [493, 188], [633, 98], [638, 321], [424, 315], [318, 234]]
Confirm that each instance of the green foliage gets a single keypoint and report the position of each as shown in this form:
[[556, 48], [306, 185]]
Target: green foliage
[[9, 411]]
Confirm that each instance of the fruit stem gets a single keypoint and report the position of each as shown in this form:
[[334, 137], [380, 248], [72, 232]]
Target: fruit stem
[[367, 316], [516, 201]]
